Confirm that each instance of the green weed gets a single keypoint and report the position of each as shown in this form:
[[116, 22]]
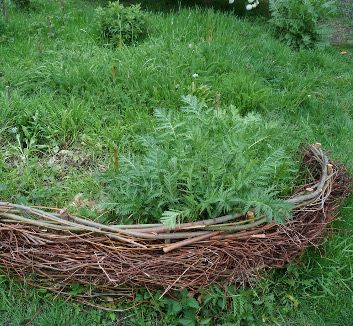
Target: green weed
[[188, 168], [298, 22], [121, 25]]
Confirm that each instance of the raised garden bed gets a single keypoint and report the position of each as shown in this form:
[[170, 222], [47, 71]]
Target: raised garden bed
[[60, 250]]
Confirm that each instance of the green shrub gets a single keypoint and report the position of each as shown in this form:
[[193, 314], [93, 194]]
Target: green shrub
[[39, 27], [297, 22], [121, 24], [22, 4], [200, 163]]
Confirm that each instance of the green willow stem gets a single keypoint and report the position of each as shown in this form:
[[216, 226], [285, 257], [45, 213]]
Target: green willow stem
[[86, 226], [189, 241], [192, 225], [46, 224], [238, 227]]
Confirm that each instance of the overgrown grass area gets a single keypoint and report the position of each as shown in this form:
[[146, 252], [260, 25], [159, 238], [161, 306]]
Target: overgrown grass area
[[73, 99]]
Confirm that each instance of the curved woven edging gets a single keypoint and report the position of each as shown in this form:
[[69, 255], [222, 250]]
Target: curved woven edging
[[196, 231], [101, 260]]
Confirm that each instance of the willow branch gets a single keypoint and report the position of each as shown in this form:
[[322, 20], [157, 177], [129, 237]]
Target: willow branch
[[189, 241], [237, 227], [191, 225]]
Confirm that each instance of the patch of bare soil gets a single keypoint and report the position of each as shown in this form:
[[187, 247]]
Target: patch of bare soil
[[343, 26], [343, 33]]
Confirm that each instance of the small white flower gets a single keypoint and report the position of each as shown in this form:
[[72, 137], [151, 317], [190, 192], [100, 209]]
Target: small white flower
[[309, 95], [195, 75], [51, 160], [13, 130], [177, 86], [190, 45], [35, 117], [231, 1], [56, 149], [250, 1], [23, 157], [248, 7]]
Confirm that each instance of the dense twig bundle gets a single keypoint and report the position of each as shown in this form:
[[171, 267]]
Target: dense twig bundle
[[111, 259]]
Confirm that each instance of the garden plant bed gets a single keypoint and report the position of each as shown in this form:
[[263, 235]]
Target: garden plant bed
[[74, 108], [110, 259]]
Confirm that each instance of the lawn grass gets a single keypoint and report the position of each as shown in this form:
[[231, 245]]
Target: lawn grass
[[76, 112]]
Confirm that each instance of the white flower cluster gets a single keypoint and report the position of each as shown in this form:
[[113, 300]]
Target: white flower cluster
[[251, 4]]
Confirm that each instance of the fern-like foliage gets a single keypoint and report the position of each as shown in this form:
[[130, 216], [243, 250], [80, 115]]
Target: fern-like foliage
[[298, 22], [201, 163]]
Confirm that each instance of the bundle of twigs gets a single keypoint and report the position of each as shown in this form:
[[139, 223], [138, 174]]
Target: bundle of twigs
[[66, 249]]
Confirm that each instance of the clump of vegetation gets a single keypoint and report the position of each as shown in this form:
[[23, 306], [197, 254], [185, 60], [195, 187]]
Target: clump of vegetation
[[4, 31], [201, 163], [3, 27], [247, 92], [120, 24], [297, 22], [22, 4]]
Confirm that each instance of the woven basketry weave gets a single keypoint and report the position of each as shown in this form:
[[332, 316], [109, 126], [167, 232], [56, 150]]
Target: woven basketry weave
[[113, 259]]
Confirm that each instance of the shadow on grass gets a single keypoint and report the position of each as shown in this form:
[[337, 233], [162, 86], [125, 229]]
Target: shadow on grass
[[238, 7]]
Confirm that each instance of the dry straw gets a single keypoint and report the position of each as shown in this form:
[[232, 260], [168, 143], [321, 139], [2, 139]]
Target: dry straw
[[59, 249]]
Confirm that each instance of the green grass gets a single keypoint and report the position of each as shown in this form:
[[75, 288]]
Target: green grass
[[75, 112]]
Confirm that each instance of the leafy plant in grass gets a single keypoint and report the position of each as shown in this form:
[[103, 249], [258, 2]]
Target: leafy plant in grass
[[39, 27], [201, 163], [246, 91], [120, 24], [211, 306], [58, 22], [185, 310], [297, 22], [29, 125], [201, 91]]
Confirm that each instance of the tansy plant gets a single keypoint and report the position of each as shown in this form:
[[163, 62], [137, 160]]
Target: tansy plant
[[199, 163]]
